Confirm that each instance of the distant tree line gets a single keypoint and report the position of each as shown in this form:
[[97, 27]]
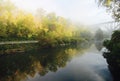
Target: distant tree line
[[48, 28]]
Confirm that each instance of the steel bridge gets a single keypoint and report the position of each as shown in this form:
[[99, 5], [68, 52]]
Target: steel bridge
[[109, 26]]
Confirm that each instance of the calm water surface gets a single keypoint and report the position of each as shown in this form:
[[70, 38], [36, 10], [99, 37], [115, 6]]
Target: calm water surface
[[61, 64]]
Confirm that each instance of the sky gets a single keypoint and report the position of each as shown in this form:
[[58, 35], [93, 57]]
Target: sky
[[83, 11]]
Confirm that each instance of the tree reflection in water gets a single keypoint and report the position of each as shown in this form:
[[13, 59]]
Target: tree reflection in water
[[98, 45], [17, 67]]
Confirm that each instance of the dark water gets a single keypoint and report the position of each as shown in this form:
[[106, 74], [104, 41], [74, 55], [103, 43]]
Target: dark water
[[60, 64]]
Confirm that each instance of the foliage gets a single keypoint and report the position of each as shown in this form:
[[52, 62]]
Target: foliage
[[51, 30], [113, 6], [113, 45], [113, 54]]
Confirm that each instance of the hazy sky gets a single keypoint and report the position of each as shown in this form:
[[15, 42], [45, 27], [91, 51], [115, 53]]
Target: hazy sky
[[84, 11]]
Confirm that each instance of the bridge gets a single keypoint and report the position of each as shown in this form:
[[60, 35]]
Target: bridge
[[108, 26]]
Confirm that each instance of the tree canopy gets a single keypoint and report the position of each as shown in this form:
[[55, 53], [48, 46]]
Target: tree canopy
[[113, 6], [49, 28]]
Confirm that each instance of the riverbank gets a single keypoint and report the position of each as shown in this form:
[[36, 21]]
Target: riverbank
[[17, 48], [24, 46], [113, 54]]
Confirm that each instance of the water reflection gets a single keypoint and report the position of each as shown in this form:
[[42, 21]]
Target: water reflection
[[98, 45], [90, 66], [17, 67], [55, 64]]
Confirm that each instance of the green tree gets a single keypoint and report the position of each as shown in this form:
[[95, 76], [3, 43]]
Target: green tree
[[113, 45]]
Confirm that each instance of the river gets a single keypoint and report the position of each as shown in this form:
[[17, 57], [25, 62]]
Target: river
[[58, 64]]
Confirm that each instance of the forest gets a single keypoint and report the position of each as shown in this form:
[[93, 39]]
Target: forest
[[48, 28]]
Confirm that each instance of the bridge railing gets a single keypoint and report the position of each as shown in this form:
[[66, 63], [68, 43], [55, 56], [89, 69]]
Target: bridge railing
[[109, 26]]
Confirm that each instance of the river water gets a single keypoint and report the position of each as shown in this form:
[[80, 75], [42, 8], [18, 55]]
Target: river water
[[58, 64]]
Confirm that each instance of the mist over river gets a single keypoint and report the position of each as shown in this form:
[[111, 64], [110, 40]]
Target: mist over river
[[58, 64]]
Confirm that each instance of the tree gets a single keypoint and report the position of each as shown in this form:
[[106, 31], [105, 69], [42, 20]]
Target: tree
[[6, 19], [99, 35], [113, 6], [6, 6], [113, 45]]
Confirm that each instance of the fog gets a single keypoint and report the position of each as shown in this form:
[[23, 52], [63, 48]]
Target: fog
[[82, 11], [80, 69]]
